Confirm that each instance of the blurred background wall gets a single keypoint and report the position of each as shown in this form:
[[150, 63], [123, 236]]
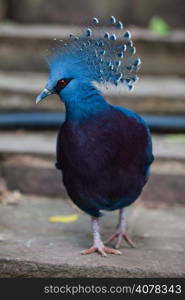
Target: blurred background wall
[[137, 12]]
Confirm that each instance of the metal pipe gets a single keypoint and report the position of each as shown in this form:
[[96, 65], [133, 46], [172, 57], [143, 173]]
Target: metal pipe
[[157, 123]]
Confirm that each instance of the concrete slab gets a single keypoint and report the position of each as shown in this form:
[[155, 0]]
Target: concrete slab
[[31, 246]]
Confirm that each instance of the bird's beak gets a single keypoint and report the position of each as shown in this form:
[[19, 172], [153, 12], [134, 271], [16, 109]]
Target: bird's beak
[[43, 95]]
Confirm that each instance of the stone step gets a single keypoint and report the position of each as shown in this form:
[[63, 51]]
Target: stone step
[[22, 47], [153, 95], [31, 246], [35, 175], [27, 164], [166, 146]]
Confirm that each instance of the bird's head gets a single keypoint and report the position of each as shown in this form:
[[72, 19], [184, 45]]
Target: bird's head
[[104, 57], [66, 76]]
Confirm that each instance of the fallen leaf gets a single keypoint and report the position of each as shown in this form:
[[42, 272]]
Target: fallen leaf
[[64, 219]]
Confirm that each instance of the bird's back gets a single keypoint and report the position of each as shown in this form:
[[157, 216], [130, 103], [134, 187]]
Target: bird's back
[[104, 159]]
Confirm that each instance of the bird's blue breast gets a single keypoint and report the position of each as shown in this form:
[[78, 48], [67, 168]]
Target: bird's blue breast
[[105, 159]]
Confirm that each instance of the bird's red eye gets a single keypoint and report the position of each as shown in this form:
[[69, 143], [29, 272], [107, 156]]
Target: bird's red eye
[[62, 82]]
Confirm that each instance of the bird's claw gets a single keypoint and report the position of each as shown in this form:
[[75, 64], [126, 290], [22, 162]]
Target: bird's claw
[[120, 236], [103, 251]]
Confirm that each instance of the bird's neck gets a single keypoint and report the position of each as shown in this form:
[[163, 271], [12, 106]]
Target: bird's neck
[[84, 103]]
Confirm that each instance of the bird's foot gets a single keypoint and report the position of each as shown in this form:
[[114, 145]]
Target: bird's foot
[[102, 250], [120, 236]]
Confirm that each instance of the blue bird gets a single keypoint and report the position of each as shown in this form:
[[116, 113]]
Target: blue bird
[[103, 151]]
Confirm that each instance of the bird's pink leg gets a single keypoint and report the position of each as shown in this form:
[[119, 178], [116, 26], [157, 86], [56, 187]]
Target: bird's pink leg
[[120, 232], [98, 245]]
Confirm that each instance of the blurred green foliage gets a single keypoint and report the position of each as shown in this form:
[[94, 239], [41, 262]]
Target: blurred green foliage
[[158, 25]]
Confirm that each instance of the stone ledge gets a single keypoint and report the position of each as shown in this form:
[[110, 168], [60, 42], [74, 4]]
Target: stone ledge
[[32, 269], [33, 247]]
